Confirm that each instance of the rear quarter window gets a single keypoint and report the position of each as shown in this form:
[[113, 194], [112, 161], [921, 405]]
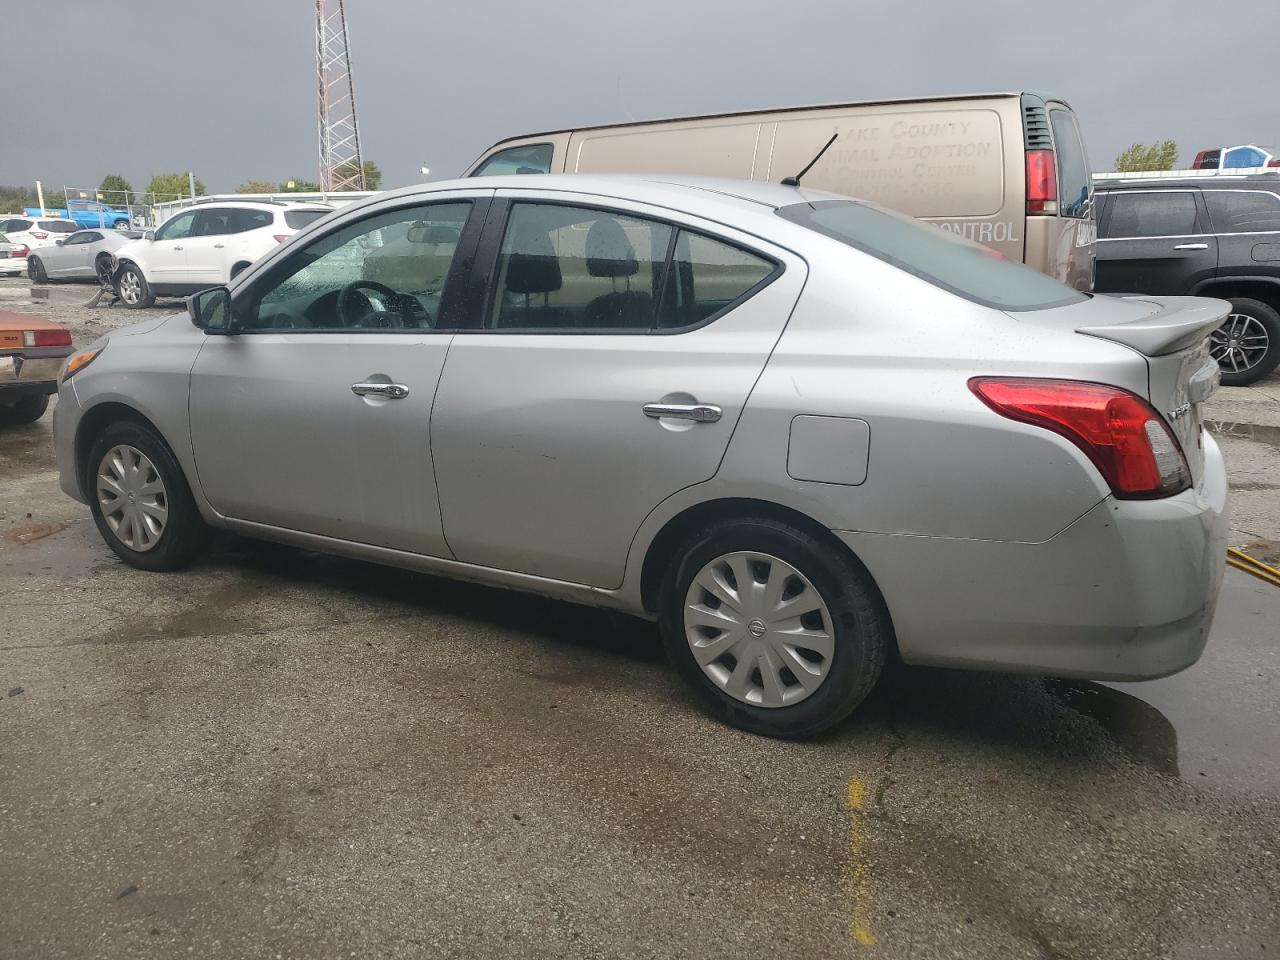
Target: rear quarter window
[[936, 256], [1243, 211], [58, 226], [297, 219]]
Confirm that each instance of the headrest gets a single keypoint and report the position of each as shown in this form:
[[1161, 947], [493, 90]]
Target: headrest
[[535, 268], [422, 232], [609, 252]]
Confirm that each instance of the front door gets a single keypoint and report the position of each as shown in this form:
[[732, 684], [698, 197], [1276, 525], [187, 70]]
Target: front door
[[1155, 241], [167, 253], [616, 354], [316, 416]]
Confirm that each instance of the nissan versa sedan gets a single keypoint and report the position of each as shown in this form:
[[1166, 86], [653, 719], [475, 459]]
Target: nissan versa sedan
[[803, 434]]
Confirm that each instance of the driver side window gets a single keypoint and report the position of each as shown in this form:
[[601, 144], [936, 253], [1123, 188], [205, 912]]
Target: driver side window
[[387, 272], [178, 227]]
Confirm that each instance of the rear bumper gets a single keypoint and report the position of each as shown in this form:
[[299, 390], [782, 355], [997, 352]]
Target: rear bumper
[[22, 376], [1127, 592]]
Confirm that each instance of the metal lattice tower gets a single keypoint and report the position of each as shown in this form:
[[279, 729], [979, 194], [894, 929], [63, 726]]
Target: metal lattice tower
[[341, 166]]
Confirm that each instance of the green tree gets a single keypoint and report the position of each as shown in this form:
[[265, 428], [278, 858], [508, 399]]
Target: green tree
[[257, 186], [15, 198], [1140, 158], [372, 175], [171, 186], [299, 186], [115, 189]]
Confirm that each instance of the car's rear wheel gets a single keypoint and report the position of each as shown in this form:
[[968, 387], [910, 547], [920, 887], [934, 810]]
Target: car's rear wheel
[[782, 633], [132, 288], [140, 499], [1247, 345], [36, 271], [102, 270], [29, 409]]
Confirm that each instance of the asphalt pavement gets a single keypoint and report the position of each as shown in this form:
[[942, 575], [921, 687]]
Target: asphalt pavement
[[278, 754]]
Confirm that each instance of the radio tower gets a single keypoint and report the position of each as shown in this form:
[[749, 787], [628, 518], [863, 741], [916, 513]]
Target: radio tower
[[340, 160]]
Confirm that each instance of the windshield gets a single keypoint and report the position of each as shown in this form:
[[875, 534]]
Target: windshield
[[297, 219], [943, 259]]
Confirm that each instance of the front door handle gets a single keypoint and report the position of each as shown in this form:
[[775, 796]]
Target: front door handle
[[217, 246], [697, 412], [1192, 246], [392, 391], [177, 248]]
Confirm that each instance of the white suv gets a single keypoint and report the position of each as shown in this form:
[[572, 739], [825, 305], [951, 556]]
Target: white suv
[[205, 245]]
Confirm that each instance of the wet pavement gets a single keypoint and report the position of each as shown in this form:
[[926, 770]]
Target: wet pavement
[[283, 754]]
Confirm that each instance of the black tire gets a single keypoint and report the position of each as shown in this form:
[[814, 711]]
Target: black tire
[[102, 270], [144, 298], [35, 270], [1266, 316], [184, 535], [27, 410], [863, 633]]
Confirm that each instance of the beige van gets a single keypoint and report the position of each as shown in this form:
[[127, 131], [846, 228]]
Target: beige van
[[1006, 169]]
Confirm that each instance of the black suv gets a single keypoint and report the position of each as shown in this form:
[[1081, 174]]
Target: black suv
[[1213, 236]]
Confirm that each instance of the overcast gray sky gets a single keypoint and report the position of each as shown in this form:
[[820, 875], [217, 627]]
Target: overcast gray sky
[[227, 87]]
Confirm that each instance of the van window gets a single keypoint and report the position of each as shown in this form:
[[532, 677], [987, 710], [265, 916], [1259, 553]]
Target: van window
[[1074, 182], [1243, 211], [1164, 213], [527, 158], [937, 256]]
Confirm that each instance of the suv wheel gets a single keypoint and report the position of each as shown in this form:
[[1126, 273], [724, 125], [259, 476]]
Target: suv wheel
[[1247, 345], [781, 633], [132, 288], [140, 500]]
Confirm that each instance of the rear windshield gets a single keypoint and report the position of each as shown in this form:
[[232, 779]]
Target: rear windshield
[[297, 219], [58, 226], [942, 258]]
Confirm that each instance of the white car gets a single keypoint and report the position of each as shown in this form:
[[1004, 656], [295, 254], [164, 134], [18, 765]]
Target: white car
[[84, 255], [35, 231], [205, 245], [13, 257]]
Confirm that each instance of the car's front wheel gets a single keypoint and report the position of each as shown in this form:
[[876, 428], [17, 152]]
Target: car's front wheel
[[140, 499], [781, 632], [132, 287], [102, 270], [1247, 345]]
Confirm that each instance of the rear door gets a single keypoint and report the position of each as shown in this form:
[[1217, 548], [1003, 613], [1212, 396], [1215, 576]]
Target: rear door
[[208, 252], [1154, 241], [618, 347]]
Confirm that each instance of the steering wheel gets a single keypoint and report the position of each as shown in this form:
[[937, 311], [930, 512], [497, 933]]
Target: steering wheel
[[405, 310]]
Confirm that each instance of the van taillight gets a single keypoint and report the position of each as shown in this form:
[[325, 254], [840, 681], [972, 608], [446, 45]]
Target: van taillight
[[1125, 438], [1042, 182]]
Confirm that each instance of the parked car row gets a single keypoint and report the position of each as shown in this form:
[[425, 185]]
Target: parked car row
[[748, 411]]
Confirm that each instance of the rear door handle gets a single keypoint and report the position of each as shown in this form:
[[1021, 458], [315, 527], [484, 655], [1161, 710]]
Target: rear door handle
[[1192, 246], [698, 412], [217, 246], [392, 391]]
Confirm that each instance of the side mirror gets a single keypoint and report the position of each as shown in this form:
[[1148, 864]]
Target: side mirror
[[59, 242], [149, 235], [210, 310]]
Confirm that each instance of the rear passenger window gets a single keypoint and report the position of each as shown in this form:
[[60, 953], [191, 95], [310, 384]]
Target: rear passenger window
[[566, 268], [245, 220], [1074, 180], [706, 277], [1166, 213], [1241, 211]]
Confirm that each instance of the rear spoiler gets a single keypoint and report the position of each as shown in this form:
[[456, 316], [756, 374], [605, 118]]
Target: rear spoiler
[[1177, 323]]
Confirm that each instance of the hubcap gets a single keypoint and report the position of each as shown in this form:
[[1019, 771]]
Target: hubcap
[[130, 288], [132, 497], [759, 629], [1239, 344]]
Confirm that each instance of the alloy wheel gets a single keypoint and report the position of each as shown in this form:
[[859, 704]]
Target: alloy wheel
[[1239, 344], [130, 287], [132, 497], [759, 629]]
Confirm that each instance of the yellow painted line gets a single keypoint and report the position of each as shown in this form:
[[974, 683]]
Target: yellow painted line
[[859, 921]]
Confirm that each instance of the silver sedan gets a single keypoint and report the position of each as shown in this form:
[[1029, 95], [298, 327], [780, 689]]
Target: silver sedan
[[84, 255], [803, 434]]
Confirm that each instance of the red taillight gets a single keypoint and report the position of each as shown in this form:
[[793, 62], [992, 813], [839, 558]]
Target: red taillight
[[19, 251], [1118, 430], [282, 237], [1273, 163], [39, 236], [46, 338], [1042, 182]]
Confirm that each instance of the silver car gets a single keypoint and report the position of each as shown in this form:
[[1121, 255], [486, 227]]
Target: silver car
[[84, 255], [802, 433]]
